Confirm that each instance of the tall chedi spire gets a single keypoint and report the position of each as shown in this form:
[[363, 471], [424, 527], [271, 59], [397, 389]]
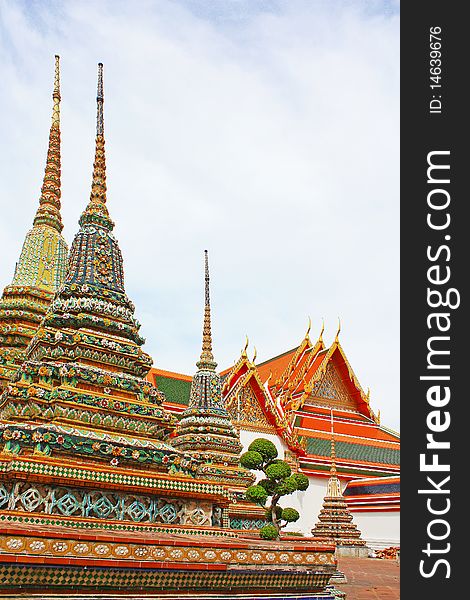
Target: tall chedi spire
[[205, 428], [335, 521], [48, 212], [42, 263], [207, 358], [84, 374]]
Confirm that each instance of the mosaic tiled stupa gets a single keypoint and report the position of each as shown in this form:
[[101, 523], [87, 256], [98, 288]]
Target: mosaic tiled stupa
[[335, 521], [82, 383], [41, 266], [205, 428], [93, 496]]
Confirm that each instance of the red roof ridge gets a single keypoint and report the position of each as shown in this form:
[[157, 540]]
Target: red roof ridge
[[366, 480]]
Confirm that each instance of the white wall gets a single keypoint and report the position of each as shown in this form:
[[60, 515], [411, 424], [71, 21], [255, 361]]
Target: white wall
[[379, 529]]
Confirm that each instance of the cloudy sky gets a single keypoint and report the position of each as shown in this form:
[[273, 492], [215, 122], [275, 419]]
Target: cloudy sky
[[263, 130]]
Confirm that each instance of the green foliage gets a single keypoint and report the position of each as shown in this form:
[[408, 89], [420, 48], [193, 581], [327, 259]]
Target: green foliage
[[268, 485], [258, 494], [277, 510], [302, 481], [279, 481], [286, 486], [290, 515], [251, 460], [269, 532], [266, 448], [278, 470]]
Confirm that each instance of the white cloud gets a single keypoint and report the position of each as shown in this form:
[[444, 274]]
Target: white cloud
[[264, 131]]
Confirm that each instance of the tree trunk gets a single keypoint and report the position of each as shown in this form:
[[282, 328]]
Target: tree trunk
[[274, 519]]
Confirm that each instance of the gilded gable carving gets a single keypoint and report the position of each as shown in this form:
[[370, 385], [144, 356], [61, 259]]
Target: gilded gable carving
[[331, 390], [246, 412]]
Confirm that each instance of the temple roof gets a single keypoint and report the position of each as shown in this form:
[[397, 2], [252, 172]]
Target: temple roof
[[175, 386], [363, 452], [377, 494], [293, 395], [275, 365]]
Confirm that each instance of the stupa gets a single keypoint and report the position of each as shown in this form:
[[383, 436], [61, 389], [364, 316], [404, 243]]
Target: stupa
[[93, 495], [41, 267], [335, 521], [205, 428]]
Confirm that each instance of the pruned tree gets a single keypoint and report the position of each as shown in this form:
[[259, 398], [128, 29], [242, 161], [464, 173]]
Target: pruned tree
[[279, 481]]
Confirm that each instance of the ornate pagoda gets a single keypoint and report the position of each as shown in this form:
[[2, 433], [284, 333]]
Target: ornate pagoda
[[42, 263], [205, 428], [335, 521], [93, 495], [80, 398]]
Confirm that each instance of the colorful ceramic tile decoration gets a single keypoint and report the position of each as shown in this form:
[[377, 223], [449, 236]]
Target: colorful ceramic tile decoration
[[100, 489], [205, 427], [41, 267]]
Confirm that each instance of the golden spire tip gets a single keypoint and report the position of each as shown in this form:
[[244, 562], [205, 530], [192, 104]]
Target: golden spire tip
[[339, 329], [245, 348], [320, 337], [309, 326], [56, 94], [207, 358]]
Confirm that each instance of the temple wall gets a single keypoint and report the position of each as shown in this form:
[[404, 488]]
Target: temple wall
[[379, 529]]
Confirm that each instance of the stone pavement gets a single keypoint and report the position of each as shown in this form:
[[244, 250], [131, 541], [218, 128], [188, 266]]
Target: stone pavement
[[370, 579]]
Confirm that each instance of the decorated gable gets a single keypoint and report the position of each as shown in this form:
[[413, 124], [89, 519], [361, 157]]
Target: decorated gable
[[331, 391], [246, 411]]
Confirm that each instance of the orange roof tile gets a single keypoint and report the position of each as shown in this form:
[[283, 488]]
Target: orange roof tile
[[363, 429], [275, 365]]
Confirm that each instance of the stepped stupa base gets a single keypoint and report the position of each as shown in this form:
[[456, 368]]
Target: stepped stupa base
[[67, 560], [338, 577], [337, 594]]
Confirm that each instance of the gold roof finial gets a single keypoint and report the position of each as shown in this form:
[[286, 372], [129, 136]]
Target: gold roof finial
[[266, 383], [254, 355], [245, 348], [320, 337], [207, 358], [309, 326], [338, 332]]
